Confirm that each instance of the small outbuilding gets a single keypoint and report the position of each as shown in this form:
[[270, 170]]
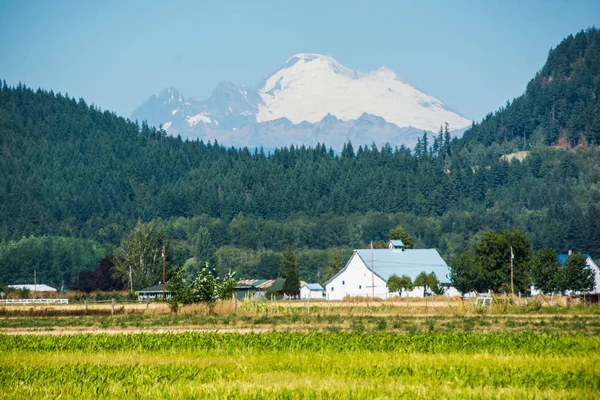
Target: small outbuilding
[[151, 293], [312, 291]]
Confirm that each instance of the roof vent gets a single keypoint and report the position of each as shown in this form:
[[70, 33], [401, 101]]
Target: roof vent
[[396, 245]]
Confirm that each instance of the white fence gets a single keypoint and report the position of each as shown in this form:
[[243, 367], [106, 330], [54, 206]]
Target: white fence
[[34, 301]]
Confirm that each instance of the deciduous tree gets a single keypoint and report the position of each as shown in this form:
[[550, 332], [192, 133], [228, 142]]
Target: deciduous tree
[[139, 261]]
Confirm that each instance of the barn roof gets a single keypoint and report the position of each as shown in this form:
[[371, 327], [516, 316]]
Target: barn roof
[[314, 286], [410, 262]]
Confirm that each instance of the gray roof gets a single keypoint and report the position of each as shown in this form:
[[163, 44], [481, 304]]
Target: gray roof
[[40, 287], [397, 243], [410, 262], [314, 286], [153, 289]]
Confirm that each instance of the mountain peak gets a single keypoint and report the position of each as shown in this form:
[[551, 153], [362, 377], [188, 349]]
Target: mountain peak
[[170, 95], [310, 86], [311, 61], [311, 98]]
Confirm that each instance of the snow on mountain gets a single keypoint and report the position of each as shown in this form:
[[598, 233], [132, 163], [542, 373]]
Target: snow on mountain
[[310, 86], [311, 99]]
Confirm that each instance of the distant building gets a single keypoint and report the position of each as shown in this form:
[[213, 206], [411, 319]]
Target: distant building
[[312, 291], [151, 293], [367, 271], [34, 287], [258, 288]]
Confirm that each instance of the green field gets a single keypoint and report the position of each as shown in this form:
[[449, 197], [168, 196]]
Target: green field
[[301, 365]]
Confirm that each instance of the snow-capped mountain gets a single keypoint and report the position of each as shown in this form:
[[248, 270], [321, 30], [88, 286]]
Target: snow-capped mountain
[[311, 99]]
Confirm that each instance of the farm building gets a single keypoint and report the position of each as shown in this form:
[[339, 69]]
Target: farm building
[[151, 293], [312, 291], [258, 288], [589, 261], [34, 287], [367, 271]]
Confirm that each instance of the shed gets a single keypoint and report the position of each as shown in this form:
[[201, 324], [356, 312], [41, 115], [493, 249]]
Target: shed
[[312, 291]]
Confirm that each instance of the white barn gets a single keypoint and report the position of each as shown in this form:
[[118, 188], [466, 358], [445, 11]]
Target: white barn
[[312, 291], [367, 271]]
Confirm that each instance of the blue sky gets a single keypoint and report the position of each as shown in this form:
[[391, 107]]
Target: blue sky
[[474, 55]]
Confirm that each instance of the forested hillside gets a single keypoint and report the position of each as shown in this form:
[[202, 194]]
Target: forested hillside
[[69, 170], [561, 104]]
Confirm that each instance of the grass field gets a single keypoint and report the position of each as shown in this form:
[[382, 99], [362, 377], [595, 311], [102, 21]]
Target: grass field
[[301, 365]]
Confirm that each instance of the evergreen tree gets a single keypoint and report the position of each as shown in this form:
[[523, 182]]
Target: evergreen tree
[[399, 233], [545, 270], [290, 271]]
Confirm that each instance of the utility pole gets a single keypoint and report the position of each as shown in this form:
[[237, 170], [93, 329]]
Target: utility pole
[[372, 273], [130, 279], [34, 280], [512, 287], [164, 262]]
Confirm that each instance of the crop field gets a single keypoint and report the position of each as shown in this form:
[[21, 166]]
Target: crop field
[[290, 365], [299, 320]]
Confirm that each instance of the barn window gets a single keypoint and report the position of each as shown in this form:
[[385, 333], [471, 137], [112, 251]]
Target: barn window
[[332, 288], [343, 282], [360, 286]]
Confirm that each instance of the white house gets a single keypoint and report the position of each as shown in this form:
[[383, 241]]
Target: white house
[[367, 271], [312, 291]]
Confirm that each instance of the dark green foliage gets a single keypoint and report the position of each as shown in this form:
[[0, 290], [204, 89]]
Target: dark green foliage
[[545, 270], [560, 103], [226, 288], [55, 260], [576, 275], [487, 266], [494, 254], [429, 282], [466, 274], [142, 257], [290, 271], [178, 289], [334, 265], [226, 195], [400, 233]]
